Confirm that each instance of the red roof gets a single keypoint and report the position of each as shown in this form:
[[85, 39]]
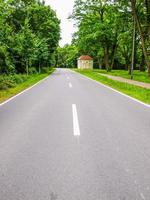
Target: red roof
[[85, 57]]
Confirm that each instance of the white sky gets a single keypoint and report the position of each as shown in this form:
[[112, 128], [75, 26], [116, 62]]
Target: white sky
[[63, 9]]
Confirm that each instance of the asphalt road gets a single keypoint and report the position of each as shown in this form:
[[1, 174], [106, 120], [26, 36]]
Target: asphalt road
[[70, 138]]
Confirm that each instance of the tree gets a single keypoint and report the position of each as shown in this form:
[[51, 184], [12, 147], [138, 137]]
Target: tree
[[140, 11], [29, 35], [141, 32], [99, 29], [67, 56], [26, 45], [105, 30]]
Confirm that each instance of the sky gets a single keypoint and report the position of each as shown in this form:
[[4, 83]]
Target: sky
[[63, 9]]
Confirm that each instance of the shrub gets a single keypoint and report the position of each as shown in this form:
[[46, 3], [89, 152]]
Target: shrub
[[24, 77], [45, 70], [11, 81], [6, 82], [17, 78], [32, 70], [3, 86]]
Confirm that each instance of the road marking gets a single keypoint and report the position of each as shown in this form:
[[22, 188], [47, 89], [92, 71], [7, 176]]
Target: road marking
[[68, 77], [70, 85], [147, 188], [24, 91], [132, 98], [76, 128], [142, 196]]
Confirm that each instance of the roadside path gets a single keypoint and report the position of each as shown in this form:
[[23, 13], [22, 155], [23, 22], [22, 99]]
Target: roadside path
[[125, 80]]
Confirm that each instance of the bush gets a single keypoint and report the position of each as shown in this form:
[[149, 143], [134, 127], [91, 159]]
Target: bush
[[3, 86], [17, 78], [32, 70], [11, 81], [24, 77], [6, 82], [45, 70]]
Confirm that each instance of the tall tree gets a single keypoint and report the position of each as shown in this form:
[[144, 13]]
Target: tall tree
[[29, 35], [99, 26]]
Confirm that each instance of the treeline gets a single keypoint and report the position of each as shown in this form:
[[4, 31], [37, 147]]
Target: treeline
[[105, 31], [66, 56], [29, 36]]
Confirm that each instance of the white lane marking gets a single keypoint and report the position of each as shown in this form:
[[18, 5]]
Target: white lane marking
[[76, 128], [68, 77], [132, 98], [10, 99], [70, 85], [142, 196], [147, 188]]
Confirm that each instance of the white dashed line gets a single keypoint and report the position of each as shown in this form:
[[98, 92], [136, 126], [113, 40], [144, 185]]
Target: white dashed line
[[76, 128], [70, 85], [142, 196]]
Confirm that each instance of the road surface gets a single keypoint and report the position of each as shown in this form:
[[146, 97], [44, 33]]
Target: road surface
[[70, 138]]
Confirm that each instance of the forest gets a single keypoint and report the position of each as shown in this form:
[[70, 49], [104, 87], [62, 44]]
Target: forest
[[114, 32], [29, 37]]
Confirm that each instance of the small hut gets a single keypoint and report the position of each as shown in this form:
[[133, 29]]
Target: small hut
[[85, 62]]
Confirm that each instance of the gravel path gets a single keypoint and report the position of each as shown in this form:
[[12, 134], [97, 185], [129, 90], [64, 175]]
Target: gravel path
[[124, 80]]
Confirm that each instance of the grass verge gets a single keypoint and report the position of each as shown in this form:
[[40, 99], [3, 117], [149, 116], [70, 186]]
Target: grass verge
[[31, 80], [139, 93], [138, 76]]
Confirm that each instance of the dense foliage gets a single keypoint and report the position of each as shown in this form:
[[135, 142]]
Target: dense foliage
[[66, 57], [29, 36], [11, 81], [105, 31]]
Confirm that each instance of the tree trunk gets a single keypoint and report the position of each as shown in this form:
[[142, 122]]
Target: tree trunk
[[129, 69], [113, 54], [126, 65], [126, 56], [147, 61], [127, 62], [107, 59], [27, 66], [39, 67], [133, 48], [99, 63], [147, 2], [142, 64]]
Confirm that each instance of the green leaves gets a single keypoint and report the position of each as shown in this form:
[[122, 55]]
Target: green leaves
[[67, 56], [29, 34], [105, 30]]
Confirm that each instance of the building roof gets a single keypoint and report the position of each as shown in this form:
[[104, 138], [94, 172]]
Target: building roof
[[85, 57]]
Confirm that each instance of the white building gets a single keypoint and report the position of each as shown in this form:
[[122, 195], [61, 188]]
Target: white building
[[85, 62]]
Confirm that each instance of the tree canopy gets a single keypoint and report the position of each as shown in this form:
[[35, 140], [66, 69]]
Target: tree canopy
[[105, 31], [29, 35]]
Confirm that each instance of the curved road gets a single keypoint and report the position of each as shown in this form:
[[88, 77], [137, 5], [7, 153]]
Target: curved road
[[70, 138]]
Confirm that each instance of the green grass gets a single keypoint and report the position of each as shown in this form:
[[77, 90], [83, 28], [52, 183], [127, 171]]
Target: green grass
[[138, 76], [31, 80], [139, 93]]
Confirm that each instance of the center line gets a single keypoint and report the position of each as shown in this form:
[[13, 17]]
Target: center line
[[70, 85], [142, 195], [76, 128]]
